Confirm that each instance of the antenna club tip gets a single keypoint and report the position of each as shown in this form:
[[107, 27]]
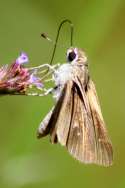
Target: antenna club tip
[[43, 35]]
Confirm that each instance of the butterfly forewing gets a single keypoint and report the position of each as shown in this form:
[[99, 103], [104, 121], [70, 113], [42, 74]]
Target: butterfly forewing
[[104, 146], [81, 141]]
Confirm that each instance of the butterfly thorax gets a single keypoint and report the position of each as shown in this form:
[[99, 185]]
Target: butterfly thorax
[[68, 72], [61, 76]]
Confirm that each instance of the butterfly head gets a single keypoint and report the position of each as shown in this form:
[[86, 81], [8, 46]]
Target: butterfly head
[[76, 56]]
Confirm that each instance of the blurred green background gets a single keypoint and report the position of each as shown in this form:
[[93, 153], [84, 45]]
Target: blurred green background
[[26, 162]]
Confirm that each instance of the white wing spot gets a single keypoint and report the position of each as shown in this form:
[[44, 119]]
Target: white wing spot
[[78, 134]]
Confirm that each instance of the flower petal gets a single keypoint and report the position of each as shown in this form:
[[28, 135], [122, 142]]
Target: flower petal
[[22, 59]]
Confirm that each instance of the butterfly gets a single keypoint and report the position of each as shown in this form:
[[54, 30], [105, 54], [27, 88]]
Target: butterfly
[[76, 120]]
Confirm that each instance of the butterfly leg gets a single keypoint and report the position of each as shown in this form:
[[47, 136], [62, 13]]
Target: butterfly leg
[[44, 78]]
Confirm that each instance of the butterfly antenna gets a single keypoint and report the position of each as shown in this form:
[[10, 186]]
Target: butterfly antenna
[[57, 36]]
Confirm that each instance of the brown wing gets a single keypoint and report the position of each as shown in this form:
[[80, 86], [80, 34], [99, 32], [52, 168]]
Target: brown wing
[[88, 140], [81, 142], [103, 143], [43, 128], [61, 116], [57, 121]]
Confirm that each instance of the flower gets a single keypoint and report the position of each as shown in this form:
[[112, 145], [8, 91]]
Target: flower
[[22, 59], [16, 79]]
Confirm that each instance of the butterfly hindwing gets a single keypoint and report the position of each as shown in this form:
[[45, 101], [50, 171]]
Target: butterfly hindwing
[[61, 116]]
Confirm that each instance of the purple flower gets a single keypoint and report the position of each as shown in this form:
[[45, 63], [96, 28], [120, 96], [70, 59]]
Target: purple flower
[[16, 79], [35, 81], [22, 59]]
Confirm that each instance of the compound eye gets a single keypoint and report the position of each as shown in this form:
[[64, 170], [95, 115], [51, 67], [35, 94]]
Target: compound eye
[[71, 56]]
